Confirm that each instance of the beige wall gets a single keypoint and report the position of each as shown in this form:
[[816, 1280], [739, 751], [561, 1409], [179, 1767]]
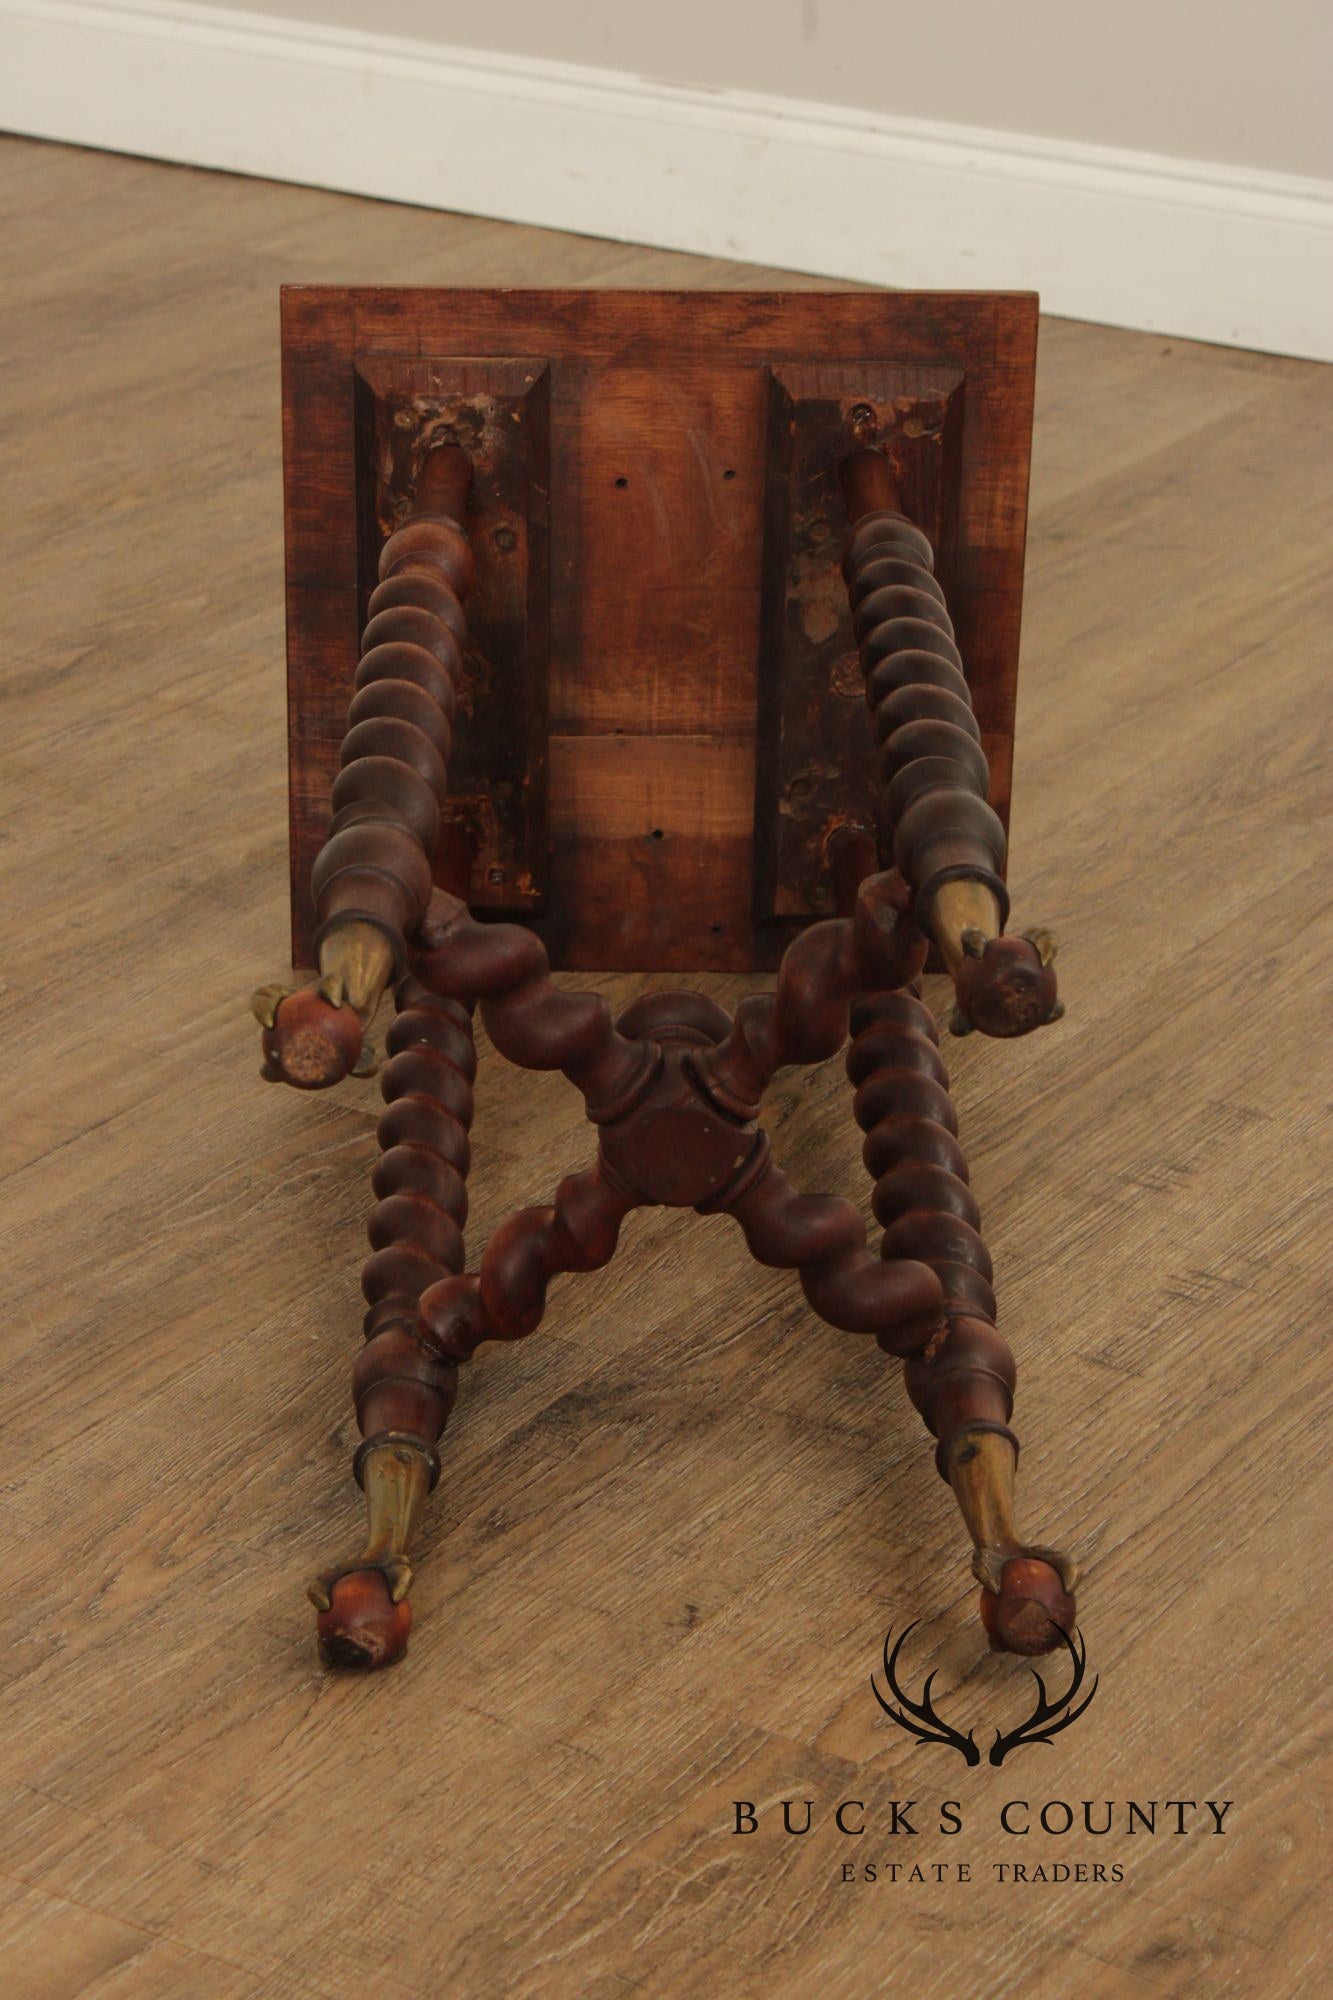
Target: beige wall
[[1236, 81]]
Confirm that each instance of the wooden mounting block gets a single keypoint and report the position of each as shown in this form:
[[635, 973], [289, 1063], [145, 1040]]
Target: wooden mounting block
[[663, 734]]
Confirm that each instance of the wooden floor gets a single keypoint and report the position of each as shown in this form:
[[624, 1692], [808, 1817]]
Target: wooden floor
[[674, 1526]]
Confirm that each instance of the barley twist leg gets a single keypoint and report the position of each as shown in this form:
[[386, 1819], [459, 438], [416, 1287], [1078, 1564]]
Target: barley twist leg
[[948, 842], [805, 1019], [824, 1239], [506, 969], [505, 1298], [372, 879], [403, 1390], [962, 1384]]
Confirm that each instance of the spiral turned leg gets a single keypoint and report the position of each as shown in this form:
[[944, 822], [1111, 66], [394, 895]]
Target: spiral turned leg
[[372, 880], [404, 1390], [506, 969], [804, 1020], [824, 1238], [372, 884], [506, 1298], [963, 1383], [947, 841]]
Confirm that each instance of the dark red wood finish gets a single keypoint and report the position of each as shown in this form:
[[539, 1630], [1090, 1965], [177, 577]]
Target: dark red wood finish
[[816, 767], [673, 1089], [655, 424]]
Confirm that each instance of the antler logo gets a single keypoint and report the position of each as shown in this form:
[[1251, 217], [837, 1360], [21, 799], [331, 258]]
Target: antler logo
[[920, 1719], [928, 1727]]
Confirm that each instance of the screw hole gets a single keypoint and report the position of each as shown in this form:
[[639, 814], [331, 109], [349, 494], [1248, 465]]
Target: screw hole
[[622, 481], [716, 929], [729, 473], [657, 834]]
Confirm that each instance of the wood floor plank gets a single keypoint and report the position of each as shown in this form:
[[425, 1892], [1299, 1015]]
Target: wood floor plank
[[673, 1528]]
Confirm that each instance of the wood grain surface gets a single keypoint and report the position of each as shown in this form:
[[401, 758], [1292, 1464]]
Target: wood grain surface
[[694, 441], [673, 1527]]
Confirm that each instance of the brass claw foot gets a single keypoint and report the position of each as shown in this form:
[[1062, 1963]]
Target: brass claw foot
[[1003, 985], [396, 1571], [988, 1563], [1006, 985], [1027, 1597], [307, 1042], [1030, 1603], [364, 1614], [316, 1037]]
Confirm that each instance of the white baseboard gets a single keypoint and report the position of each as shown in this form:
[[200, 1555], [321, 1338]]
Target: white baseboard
[[1129, 239]]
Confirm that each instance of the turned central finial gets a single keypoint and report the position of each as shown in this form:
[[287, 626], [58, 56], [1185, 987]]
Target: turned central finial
[[676, 1148]]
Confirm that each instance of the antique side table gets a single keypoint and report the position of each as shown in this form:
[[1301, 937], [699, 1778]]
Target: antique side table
[[655, 631]]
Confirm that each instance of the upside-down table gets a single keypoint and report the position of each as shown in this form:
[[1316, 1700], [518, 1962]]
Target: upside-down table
[[588, 595]]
